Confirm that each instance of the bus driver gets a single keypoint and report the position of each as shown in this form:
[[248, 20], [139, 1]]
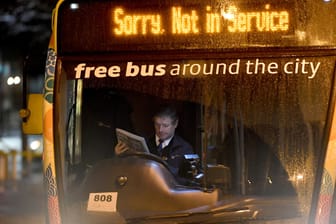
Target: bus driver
[[165, 143]]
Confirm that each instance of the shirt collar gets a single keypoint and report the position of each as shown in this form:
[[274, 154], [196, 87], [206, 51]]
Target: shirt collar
[[164, 143]]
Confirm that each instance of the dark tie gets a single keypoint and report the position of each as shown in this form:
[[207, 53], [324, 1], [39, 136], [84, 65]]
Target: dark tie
[[159, 147]]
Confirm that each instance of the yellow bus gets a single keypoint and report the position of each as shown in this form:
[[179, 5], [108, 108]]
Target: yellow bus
[[252, 82]]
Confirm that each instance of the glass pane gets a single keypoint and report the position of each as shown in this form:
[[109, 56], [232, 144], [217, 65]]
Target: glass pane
[[255, 126]]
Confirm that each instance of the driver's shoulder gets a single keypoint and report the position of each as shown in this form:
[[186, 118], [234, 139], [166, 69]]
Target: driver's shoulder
[[179, 143]]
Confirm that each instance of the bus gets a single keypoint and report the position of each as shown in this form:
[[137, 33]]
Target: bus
[[253, 83]]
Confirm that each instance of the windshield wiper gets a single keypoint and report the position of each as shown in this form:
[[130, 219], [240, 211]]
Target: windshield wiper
[[223, 215]]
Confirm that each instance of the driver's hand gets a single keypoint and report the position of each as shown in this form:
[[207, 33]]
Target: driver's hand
[[120, 148]]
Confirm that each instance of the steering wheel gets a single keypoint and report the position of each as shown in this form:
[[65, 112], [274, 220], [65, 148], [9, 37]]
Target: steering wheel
[[148, 156]]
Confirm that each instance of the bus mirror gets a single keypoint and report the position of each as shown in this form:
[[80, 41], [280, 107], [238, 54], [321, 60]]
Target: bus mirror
[[32, 115]]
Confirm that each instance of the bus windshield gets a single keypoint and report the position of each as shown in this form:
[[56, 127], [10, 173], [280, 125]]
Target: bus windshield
[[256, 122]]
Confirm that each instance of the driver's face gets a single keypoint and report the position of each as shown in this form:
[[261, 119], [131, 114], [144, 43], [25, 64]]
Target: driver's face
[[164, 127]]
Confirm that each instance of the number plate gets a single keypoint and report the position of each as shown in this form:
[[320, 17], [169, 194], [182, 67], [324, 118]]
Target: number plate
[[103, 202]]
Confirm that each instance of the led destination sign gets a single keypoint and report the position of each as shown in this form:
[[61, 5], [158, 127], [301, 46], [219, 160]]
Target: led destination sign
[[193, 21], [149, 25]]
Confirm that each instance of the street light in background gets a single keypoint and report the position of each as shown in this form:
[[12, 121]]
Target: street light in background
[[13, 80]]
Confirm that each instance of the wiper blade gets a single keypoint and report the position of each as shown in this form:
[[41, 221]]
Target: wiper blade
[[223, 215]]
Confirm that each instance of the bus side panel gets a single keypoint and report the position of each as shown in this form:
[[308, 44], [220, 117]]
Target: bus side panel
[[49, 167]]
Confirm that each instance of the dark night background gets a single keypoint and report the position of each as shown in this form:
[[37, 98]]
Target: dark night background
[[25, 27], [25, 24]]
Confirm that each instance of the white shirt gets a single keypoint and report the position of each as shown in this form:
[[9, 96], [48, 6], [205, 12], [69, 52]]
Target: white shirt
[[164, 143]]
